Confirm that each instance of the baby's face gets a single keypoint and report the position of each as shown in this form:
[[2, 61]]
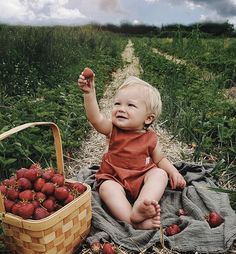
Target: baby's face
[[130, 111]]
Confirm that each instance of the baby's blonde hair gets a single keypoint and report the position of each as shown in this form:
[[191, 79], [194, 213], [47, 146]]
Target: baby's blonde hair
[[152, 95]]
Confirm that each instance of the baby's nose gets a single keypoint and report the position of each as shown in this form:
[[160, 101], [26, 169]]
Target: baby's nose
[[121, 108]]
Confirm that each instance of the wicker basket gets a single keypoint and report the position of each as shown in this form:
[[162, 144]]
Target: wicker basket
[[61, 232]]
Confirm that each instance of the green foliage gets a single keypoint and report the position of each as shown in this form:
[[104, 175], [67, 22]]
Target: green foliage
[[215, 55], [39, 69], [194, 106]]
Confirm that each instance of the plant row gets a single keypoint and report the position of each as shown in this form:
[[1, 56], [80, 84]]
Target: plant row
[[39, 69], [195, 109], [217, 55]]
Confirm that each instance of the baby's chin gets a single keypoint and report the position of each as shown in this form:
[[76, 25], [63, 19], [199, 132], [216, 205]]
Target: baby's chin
[[125, 127]]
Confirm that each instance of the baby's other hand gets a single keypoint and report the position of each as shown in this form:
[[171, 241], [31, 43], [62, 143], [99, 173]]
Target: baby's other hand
[[177, 181]]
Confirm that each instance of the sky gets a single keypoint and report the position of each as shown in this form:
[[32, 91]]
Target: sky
[[149, 12]]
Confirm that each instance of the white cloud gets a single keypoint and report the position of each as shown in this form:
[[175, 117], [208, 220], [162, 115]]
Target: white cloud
[[63, 13], [35, 11], [212, 16], [192, 6], [14, 10]]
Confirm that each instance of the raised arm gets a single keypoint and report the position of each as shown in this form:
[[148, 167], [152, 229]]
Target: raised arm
[[95, 117]]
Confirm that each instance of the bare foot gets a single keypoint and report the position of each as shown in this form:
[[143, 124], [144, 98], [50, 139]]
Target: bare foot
[[145, 210], [151, 223]]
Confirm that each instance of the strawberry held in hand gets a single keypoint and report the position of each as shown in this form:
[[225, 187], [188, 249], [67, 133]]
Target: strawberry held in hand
[[88, 73]]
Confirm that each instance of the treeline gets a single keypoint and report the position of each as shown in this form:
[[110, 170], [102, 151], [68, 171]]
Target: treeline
[[208, 29]]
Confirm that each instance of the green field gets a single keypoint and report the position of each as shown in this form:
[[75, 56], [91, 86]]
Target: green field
[[40, 66]]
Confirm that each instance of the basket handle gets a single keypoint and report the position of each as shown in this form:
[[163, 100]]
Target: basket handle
[[56, 136]]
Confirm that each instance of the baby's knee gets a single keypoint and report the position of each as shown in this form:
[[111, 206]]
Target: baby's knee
[[158, 173], [104, 186], [163, 173], [109, 186]]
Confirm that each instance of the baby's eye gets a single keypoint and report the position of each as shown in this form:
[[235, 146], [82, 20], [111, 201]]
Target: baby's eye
[[131, 105], [116, 103]]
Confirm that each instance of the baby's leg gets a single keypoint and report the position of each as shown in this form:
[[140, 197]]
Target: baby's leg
[[146, 206], [113, 195]]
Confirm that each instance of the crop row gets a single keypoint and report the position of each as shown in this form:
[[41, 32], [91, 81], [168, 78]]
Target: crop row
[[39, 69], [195, 107], [217, 55]]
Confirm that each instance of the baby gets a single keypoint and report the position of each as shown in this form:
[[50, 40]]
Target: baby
[[134, 173]]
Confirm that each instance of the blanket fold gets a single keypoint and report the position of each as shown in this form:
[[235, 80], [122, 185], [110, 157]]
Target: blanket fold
[[196, 199]]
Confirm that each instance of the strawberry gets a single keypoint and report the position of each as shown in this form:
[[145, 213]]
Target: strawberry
[[35, 203], [88, 73], [68, 199], [3, 189], [172, 230], [61, 193], [6, 182], [15, 208], [37, 167], [8, 205], [95, 247], [12, 193], [58, 179], [78, 187], [108, 249], [39, 196], [40, 213], [20, 172], [31, 174], [26, 210], [49, 205], [214, 219], [39, 183], [48, 174], [24, 183], [48, 188], [26, 195], [11, 182]]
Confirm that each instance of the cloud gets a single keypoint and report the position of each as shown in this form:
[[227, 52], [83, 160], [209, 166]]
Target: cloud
[[38, 11], [224, 8], [108, 5], [14, 10]]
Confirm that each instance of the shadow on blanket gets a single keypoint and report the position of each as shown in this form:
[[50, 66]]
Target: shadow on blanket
[[196, 199]]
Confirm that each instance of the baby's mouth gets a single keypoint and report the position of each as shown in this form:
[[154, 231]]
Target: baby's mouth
[[121, 117]]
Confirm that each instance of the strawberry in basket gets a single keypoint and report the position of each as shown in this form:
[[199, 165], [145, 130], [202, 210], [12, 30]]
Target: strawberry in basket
[[35, 193]]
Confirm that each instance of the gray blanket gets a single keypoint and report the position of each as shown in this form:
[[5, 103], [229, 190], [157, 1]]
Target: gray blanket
[[196, 199]]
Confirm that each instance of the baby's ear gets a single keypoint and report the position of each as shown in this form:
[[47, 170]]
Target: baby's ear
[[150, 118]]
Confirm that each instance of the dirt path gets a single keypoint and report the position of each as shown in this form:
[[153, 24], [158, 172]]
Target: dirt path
[[92, 148]]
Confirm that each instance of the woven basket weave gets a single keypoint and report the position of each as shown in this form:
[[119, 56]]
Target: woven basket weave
[[62, 231]]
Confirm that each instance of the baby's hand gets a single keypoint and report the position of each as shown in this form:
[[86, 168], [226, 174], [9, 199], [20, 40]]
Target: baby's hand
[[86, 80], [177, 181]]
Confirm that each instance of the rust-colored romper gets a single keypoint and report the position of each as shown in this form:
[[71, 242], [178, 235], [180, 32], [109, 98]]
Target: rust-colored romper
[[128, 159]]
